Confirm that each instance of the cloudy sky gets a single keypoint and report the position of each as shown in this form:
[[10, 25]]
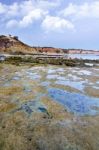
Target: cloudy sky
[[58, 23]]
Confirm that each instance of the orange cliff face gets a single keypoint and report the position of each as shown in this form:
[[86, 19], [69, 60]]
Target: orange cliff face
[[49, 50], [13, 45], [81, 51]]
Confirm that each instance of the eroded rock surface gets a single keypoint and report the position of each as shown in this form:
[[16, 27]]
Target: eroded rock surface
[[49, 108]]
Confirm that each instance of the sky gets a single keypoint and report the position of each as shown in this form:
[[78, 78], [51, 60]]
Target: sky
[[53, 23]]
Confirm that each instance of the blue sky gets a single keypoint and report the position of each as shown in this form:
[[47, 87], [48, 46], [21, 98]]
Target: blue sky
[[57, 23]]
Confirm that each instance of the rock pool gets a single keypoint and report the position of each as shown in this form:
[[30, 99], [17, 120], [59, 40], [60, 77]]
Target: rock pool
[[49, 107]]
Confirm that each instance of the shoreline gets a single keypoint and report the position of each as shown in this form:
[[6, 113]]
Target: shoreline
[[51, 59]]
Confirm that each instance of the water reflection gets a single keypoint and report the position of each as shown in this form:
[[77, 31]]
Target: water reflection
[[76, 103]]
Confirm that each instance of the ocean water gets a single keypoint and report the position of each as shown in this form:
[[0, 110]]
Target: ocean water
[[83, 56]]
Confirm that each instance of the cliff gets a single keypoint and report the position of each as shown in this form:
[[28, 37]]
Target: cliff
[[48, 50], [12, 45]]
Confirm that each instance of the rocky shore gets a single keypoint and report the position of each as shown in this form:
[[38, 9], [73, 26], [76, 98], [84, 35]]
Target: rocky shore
[[47, 59], [49, 107]]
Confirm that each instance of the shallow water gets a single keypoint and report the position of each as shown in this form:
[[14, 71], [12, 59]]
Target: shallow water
[[78, 104], [49, 104], [83, 56], [52, 77]]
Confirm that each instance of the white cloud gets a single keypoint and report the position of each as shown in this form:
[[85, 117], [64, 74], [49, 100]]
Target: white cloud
[[85, 10], [34, 15], [26, 12], [52, 23], [12, 23], [13, 10], [2, 8], [31, 17]]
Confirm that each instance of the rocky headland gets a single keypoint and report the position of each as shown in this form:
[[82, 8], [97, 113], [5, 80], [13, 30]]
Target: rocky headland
[[12, 50], [12, 45]]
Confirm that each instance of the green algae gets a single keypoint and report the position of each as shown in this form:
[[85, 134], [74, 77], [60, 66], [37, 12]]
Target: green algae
[[10, 90], [5, 107], [51, 127]]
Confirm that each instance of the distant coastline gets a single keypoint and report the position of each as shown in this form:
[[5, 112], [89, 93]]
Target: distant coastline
[[12, 45]]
